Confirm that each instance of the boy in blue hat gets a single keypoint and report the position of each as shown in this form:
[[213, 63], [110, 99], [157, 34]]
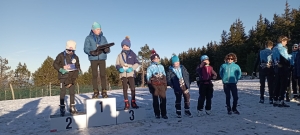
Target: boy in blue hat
[[126, 64], [206, 73], [178, 78]]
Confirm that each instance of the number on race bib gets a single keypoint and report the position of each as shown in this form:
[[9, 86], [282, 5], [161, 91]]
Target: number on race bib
[[69, 119]]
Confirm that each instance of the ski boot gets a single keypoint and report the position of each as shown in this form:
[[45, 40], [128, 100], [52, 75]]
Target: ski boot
[[188, 113], [96, 93], [104, 94], [229, 111], [134, 105], [178, 112], [235, 111], [127, 106], [62, 110], [73, 109], [282, 104]]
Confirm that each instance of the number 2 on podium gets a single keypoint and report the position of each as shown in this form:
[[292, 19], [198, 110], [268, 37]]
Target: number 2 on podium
[[69, 119], [101, 106]]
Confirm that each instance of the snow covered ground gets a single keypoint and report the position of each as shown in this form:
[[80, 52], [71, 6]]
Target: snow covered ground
[[31, 116]]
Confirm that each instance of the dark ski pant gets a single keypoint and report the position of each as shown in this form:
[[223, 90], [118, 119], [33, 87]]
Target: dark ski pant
[[63, 92], [205, 93], [281, 78], [186, 96], [231, 88], [269, 74], [159, 99], [95, 65], [294, 81], [131, 82]]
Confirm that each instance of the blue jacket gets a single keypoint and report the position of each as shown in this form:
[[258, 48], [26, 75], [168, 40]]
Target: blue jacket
[[294, 54], [155, 68], [230, 73], [278, 53], [266, 56], [173, 80], [91, 45]]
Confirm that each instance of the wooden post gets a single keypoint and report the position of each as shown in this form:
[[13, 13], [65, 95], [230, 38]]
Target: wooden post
[[4, 94], [12, 92], [50, 88], [78, 88]]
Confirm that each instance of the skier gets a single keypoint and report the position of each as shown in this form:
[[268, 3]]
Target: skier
[[230, 73], [157, 83], [68, 67], [178, 79], [206, 74], [266, 70], [126, 64]]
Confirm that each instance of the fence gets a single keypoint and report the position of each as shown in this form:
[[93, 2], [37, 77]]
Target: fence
[[11, 93]]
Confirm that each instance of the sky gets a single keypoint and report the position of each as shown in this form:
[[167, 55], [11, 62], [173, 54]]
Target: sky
[[31, 30]]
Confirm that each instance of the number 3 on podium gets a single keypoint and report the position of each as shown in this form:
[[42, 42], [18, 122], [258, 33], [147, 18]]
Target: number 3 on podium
[[132, 115]]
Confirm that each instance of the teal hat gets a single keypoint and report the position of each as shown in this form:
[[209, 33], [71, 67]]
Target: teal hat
[[175, 59], [96, 26]]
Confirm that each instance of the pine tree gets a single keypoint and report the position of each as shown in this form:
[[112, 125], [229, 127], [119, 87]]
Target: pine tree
[[46, 74], [22, 76], [144, 58], [4, 72]]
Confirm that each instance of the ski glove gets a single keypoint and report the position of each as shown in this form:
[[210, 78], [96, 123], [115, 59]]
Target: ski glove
[[121, 70], [129, 70], [63, 71]]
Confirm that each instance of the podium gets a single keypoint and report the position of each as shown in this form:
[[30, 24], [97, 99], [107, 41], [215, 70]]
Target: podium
[[59, 123], [99, 112], [132, 115]]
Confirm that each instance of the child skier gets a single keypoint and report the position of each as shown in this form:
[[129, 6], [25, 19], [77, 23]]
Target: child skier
[[126, 64], [157, 83], [230, 74], [206, 74], [178, 79], [68, 67]]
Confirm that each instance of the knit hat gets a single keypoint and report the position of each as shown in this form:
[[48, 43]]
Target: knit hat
[[175, 59], [96, 26], [154, 55], [71, 45], [295, 45], [126, 42], [204, 57]]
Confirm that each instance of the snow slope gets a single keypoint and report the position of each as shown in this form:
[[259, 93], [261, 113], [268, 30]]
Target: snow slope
[[31, 116]]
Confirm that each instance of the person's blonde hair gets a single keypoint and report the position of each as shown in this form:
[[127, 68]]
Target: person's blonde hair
[[282, 38], [231, 55]]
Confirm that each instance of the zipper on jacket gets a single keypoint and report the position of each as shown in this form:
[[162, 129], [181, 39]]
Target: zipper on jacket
[[228, 73]]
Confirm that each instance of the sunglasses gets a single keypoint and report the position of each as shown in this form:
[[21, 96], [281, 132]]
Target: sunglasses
[[70, 50], [229, 58]]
